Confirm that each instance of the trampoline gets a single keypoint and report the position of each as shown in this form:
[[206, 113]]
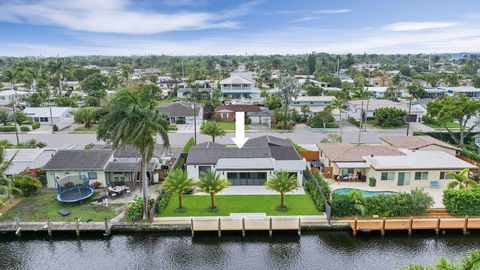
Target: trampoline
[[73, 189]]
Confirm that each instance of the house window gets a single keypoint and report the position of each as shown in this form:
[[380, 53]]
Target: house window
[[346, 171], [445, 176], [92, 175], [386, 176], [202, 169], [421, 175]]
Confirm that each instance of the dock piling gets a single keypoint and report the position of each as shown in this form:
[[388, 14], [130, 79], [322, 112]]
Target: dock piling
[[49, 229], [107, 230], [270, 231], [410, 226], [383, 226], [219, 228], [299, 226], [355, 227], [465, 226], [18, 231], [191, 226], [243, 226], [437, 229]]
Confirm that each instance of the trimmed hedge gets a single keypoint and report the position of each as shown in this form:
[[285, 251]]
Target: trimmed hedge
[[414, 203], [462, 202], [7, 128], [35, 125], [24, 129], [311, 188], [163, 202]]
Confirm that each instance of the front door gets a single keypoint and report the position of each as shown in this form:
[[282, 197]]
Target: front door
[[403, 178]]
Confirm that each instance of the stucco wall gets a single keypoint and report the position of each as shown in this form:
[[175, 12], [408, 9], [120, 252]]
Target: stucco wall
[[432, 175]]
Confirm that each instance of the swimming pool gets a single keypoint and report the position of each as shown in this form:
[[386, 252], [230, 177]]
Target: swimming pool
[[346, 191]]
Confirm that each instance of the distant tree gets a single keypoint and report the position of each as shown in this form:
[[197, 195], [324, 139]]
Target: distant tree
[[178, 182], [391, 93], [212, 129], [211, 183], [313, 90], [282, 182], [65, 102], [476, 81], [312, 63], [94, 85], [273, 102], [416, 91], [152, 78], [452, 79], [86, 116], [457, 108], [4, 117], [288, 88], [322, 119], [305, 112], [390, 117], [21, 117]]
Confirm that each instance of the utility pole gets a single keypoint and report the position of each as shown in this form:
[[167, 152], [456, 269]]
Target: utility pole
[[51, 118], [14, 114]]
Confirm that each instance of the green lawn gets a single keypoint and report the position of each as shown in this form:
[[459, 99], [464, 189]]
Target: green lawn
[[449, 125], [197, 205], [85, 129], [228, 125], [373, 123], [43, 205]]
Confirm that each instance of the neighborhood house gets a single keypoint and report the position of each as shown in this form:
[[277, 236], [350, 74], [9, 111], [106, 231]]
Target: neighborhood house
[[62, 117]]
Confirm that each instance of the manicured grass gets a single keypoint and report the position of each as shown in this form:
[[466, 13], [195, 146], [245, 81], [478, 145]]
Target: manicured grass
[[172, 127], [168, 100], [197, 205], [85, 129], [228, 125], [45, 205], [373, 123], [449, 125]]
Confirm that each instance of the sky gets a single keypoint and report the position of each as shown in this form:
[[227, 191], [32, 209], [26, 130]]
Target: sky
[[217, 27]]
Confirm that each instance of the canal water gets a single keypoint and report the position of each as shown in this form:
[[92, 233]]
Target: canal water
[[312, 250]]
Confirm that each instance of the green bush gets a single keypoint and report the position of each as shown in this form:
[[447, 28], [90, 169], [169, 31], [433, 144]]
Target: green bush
[[311, 189], [27, 184], [163, 202], [414, 203], [471, 154], [55, 128], [24, 129], [354, 121], [188, 145], [2, 203], [372, 181], [7, 128], [462, 202], [390, 117], [35, 125], [135, 208]]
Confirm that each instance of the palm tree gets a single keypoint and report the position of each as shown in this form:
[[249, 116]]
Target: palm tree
[[178, 182], [6, 185], [133, 120], [357, 198], [212, 129], [339, 104], [211, 183], [461, 180], [282, 182], [361, 93]]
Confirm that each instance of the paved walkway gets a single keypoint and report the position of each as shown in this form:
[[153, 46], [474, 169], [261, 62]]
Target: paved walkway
[[436, 193], [250, 190]]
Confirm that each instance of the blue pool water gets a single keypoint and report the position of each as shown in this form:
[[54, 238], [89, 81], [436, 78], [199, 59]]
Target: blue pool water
[[346, 191]]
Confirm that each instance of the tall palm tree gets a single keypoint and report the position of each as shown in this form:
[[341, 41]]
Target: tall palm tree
[[211, 183], [362, 93], [178, 182], [6, 186], [339, 104], [461, 180], [133, 120], [282, 182], [212, 129]]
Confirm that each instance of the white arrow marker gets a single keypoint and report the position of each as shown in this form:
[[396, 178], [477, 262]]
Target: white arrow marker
[[240, 139]]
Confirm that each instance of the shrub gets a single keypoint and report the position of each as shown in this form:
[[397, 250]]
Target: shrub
[[135, 208], [372, 181], [35, 125], [162, 203], [96, 185], [354, 121], [27, 184], [24, 129], [390, 117], [2, 203], [462, 202], [322, 119], [188, 145], [55, 128], [311, 188], [7, 128], [414, 203]]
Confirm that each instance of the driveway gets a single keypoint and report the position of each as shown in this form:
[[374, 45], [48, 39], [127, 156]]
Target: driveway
[[187, 128]]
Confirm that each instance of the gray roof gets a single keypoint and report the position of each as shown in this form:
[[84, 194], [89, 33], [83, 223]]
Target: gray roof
[[95, 159], [261, 147], [128, 166], [130, 151], [181, 109]]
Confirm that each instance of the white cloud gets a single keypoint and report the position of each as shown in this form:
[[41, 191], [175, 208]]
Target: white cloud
[[332, 11], [306, 19], [417, 26], [115, 16]]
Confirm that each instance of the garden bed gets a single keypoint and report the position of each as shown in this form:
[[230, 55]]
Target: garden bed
[[197, 205], [45, 205]]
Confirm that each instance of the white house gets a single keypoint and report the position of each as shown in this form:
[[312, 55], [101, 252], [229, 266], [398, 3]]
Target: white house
[[314, 103], [62, 117], [7, 97], [369, 106], [469, 91], [184, 89], [182, 112], [240, 88], [250, 165]]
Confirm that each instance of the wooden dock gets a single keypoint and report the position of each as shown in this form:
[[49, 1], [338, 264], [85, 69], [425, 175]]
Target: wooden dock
[[51, 227], [413, 224]]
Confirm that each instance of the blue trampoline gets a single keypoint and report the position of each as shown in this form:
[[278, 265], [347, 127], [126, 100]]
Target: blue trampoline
[[73, 189]]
